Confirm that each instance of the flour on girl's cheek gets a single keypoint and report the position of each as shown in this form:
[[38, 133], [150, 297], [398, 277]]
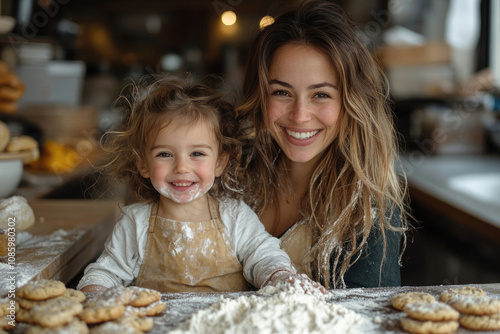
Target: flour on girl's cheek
[[182, 197]]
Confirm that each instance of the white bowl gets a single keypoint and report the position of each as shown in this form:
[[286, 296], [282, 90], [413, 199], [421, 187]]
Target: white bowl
[[11, 171], [7, 23]]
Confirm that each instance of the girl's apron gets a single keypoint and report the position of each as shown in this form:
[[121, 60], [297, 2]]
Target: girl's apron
[[190, 256]]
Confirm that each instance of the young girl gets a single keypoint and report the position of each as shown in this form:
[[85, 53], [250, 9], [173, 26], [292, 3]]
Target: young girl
[[177, 151]]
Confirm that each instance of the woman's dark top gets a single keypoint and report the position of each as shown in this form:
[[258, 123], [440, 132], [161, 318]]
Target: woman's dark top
[[366, 272]]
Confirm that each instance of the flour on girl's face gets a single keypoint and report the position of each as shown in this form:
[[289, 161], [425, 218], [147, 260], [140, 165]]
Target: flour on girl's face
[[183, 196]]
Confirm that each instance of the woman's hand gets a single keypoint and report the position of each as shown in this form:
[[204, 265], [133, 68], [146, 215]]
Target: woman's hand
[[288, 278]]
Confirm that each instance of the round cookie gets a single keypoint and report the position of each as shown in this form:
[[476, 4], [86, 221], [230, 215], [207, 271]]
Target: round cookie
[[4, 324], [436, 311], [112, 327], [448, 294], [18, 207], [23, 315], [400, 300], [4, 306], [56, 312], [150, 310], [29, 304], [144, 324], [143, 296], [475, 305], [428, 327], [4, 136], [74, 327], [75, 294], [69, 293], [97, 312], [42, 289], [106, 306], [481, 322], [117, 294]]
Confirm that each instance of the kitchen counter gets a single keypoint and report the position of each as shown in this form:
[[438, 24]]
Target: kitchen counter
[[374, 304], [66, 236], [466, 187]]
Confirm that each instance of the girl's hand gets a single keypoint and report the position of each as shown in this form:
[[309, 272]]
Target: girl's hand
[[288, 278], [93, 288]]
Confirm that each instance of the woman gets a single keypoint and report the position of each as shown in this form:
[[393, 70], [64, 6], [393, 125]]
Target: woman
[[320, 163]]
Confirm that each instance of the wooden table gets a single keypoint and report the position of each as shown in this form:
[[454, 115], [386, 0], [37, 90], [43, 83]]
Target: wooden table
[[66, 236], [374, 304]]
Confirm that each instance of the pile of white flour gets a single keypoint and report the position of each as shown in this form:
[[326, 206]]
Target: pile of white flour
[[278, 309]]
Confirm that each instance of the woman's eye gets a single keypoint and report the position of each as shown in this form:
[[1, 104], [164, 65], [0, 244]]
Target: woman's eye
[[280, 92], [322, 95]]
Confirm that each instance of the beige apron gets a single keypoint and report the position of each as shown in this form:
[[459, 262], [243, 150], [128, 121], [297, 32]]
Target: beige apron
[[297, 242], [190, 256]]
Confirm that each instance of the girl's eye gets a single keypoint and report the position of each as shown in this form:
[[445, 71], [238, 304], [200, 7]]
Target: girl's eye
[[197, 154], [164, 155], [280, 92]]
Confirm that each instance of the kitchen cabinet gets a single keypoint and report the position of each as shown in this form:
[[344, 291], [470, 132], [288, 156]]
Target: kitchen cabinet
[[456, 238]]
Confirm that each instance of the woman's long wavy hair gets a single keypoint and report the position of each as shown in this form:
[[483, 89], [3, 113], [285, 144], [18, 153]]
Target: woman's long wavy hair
[[355, 177], [150, 105]]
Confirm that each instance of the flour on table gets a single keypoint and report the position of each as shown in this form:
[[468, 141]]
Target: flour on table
[[291, 308]]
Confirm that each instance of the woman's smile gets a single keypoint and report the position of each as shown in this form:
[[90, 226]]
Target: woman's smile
[[301, 138], [304, 102]]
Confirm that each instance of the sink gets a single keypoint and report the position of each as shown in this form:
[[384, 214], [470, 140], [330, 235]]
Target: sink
[[484, 187]]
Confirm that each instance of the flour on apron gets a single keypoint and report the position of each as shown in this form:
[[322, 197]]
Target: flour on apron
[[190, 256]]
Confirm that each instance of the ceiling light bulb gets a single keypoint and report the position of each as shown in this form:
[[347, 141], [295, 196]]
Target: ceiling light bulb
[[228, 18]]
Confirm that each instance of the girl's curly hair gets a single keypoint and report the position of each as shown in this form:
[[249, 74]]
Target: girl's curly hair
[[151, 104]]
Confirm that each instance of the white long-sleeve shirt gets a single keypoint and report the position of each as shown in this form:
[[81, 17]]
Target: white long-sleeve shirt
[[119, 264]]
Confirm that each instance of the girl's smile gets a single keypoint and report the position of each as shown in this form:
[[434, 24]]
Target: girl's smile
[[183, 161]]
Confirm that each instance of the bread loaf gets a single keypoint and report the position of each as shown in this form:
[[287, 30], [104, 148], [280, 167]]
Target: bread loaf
[[16, 208], [4, 136]]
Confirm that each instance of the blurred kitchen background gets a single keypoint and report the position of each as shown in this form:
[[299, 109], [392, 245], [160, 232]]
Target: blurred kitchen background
[[442, 58]]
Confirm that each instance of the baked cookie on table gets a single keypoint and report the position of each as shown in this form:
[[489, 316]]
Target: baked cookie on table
[[481, 322], [106, 306], [143, 296], [75, 326], [475, 305], [448, 294], [428, 327], [436, 311], [401, 299], [42, 289], [69, 293]]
